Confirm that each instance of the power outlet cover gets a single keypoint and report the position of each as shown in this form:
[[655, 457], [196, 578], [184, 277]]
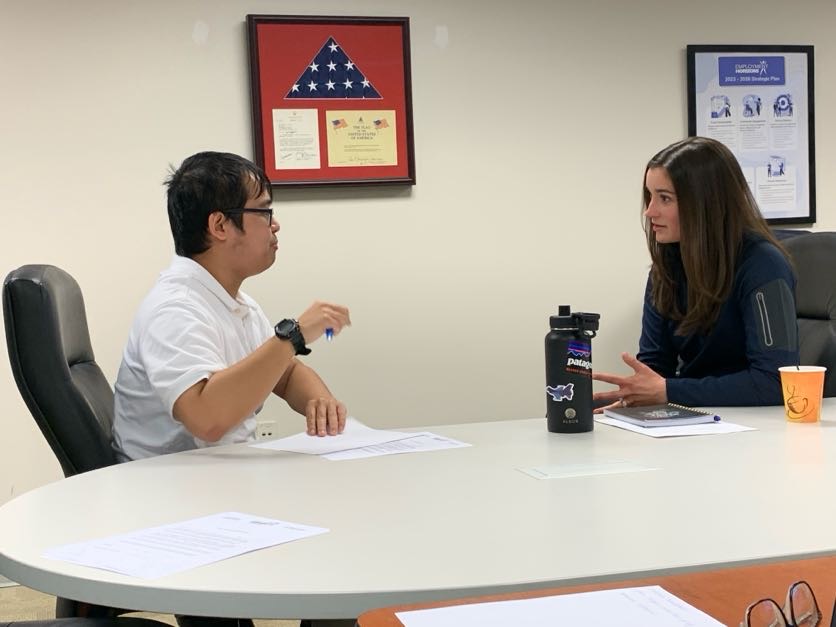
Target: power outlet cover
[[266, 429]]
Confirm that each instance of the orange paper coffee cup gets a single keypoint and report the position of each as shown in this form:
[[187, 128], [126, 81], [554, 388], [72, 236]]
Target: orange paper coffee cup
[[803, 387]]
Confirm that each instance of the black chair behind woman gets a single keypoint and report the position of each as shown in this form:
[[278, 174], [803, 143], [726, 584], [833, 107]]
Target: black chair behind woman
[[814, 258]]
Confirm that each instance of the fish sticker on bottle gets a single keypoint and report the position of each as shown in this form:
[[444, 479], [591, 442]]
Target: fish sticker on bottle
[[561, 392]]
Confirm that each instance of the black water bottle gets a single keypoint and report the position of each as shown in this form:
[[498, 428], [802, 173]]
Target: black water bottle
[[569, 370]]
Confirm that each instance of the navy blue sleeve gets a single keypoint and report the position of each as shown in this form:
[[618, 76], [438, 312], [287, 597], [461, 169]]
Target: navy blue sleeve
[[764, 297], [655, 348]]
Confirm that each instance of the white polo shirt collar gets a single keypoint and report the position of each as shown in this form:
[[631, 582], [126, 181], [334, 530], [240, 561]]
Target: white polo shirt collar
[[189, 268]]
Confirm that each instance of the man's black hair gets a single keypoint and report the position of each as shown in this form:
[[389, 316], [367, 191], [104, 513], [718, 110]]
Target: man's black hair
[[204, 183]]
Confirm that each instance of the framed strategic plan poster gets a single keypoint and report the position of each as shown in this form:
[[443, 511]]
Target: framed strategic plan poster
[[331, 99], [758, 101]]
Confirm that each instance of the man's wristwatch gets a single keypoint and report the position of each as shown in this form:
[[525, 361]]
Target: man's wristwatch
[[288, 329]]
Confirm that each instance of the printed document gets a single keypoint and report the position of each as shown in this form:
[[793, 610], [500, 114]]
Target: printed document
[[417, 443], [296, 139], [159, 551], [355, 435], [650, 606]]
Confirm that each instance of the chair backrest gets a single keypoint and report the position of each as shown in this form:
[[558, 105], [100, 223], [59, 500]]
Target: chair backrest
[[54, 368], [814, 258], [783, 234]]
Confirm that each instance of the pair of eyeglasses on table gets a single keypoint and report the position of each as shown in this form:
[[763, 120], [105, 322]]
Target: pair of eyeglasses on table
[[800, 610]]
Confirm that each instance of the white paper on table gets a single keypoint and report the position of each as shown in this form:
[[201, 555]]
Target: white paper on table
[[159, 551], [564, 471], [708, 428], [650, 606], [355, 435], [419, 442]]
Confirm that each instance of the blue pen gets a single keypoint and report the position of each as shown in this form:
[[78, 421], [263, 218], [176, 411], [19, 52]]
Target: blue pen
[[329, 334]]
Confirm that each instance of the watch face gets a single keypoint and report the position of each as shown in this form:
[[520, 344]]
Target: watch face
[[285, 327], [288, 329]]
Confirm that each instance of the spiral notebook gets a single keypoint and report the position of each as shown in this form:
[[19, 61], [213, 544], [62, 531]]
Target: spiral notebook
[[662, 415]]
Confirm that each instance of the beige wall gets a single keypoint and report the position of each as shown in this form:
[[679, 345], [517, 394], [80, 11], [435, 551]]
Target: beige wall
[[533, 121]]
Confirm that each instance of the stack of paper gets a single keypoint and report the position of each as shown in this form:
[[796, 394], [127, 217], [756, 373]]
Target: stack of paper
[[357, 440]]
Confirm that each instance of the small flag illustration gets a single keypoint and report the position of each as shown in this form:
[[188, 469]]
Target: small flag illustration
[[341, 123], [381, 123]]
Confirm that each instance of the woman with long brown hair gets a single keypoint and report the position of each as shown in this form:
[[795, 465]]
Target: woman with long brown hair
[[719, 311]]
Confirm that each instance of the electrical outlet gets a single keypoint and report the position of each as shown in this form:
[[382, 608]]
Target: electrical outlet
[[265, 429]]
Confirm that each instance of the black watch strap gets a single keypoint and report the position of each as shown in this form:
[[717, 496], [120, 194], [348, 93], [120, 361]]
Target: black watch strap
[[288, 329]]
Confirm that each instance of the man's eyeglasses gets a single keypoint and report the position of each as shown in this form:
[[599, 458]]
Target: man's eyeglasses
[[267, 213], [800, 610]]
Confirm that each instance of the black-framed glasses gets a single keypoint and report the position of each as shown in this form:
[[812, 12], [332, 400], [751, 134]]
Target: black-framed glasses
[[267, 213], [800, 610]]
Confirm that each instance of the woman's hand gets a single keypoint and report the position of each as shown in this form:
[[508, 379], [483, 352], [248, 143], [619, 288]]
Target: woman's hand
[[643, 387]]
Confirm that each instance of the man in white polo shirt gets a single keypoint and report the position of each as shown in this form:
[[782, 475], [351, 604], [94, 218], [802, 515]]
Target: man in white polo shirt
[[201, 356]]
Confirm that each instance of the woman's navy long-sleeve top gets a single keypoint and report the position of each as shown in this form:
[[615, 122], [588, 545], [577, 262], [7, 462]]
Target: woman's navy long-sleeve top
[[737, 361]]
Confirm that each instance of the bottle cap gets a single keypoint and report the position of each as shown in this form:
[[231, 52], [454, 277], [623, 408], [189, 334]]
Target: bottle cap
[[563, 319], [582, 322]]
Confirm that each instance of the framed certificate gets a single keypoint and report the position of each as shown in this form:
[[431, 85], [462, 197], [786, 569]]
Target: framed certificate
[[332, 99], [758, 101]]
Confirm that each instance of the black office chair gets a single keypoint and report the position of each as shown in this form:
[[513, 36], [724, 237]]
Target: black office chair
[[63, 387], [784, 234], [814, 258], [54, 367]]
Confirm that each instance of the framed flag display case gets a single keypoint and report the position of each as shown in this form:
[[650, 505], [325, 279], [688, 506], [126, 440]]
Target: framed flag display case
[[332, 99]]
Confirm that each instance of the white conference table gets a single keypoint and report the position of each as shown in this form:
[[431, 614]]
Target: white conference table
[[431, 526]]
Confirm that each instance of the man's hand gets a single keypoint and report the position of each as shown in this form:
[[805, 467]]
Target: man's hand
[[643, 387], [325, 416], [321, 316]]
